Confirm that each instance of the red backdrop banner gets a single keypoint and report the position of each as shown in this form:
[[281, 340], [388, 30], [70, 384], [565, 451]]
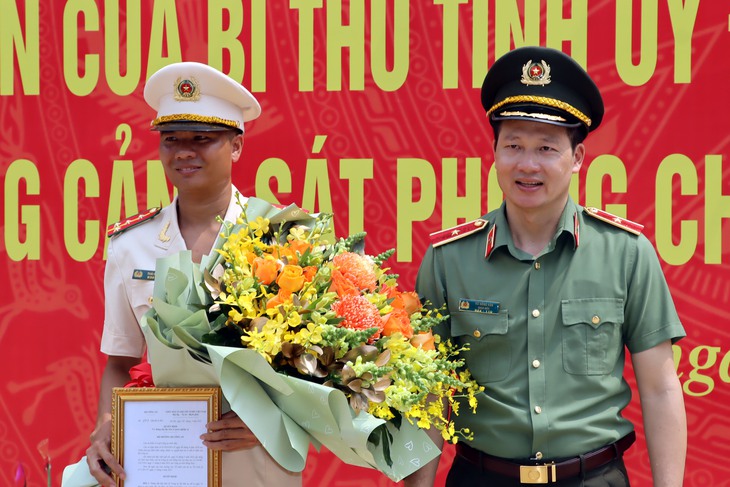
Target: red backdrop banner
[[370, 110]]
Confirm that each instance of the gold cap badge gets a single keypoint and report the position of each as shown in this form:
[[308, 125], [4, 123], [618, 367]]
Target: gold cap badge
[[536, 74], [186, 90]]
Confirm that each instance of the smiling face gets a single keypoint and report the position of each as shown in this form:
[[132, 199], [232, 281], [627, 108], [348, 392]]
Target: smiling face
[[195, 161], [534, 163]]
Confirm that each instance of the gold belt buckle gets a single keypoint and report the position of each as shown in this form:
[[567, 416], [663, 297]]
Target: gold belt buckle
[[538, 474]]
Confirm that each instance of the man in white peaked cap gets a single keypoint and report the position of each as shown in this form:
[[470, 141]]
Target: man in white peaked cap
[[200, 117]]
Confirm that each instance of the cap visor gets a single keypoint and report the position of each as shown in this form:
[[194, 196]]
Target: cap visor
[[530, 118], [536, 113], [191, 127]]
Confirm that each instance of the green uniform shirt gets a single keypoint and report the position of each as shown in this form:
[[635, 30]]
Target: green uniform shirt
[[547, 334]]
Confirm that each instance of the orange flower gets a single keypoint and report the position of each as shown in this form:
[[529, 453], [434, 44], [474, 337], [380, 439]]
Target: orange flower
[[285, 253], [358, 314], [407, 301], [397, 321], [291, 278], [281, 298], [390, 291], [250, 257], [342, 286], [299, 246], [309, 272], [357, 269], [424, 340], [265, 270]]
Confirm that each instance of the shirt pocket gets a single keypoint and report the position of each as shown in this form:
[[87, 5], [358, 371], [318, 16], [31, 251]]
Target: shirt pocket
[[490, 354], [592, 335], [139, 293]]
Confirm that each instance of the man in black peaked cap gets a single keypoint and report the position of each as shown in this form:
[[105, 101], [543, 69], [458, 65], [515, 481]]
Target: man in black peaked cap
[[547, 296]]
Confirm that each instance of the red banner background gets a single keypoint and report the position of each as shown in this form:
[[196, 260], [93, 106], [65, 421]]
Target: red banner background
[[371, 110]]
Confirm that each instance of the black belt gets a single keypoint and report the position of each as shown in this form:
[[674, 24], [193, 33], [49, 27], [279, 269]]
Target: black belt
[[551, 471]]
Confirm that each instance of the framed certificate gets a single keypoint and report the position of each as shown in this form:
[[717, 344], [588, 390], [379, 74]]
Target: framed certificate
[[156, 436]]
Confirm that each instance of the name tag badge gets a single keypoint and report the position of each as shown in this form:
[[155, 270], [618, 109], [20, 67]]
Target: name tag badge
[[143, 275], [478, 306]]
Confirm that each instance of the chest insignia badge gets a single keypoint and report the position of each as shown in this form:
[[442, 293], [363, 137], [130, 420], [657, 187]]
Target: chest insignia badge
[[143, 275], [479, 306]]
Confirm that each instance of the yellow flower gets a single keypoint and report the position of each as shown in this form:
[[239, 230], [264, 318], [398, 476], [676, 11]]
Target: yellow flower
[[235, 316], [297, 233], [259, 226], [323, 302], [294, 319], [311, 335], [246, 303]]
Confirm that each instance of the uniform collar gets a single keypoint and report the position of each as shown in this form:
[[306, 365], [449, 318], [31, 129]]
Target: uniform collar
[[233, 209], [500, 236], [170, 230], [570, 222]]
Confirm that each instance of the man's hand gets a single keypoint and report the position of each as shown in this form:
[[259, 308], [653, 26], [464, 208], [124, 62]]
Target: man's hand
[[229, 433], [99, 456]]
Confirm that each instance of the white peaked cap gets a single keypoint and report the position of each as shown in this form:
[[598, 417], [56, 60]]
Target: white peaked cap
[[194, 96]]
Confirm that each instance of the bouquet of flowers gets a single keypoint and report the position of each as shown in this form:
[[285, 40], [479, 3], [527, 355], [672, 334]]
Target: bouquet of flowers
[[314, 325]]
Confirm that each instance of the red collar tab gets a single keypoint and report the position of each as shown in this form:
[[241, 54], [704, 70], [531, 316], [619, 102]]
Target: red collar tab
[[576, 230], [490, 241], [132, 221], [455, 233], [616, 221]]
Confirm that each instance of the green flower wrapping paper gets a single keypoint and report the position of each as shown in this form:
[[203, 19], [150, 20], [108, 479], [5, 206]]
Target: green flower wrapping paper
[[285, 413], [310, 341]]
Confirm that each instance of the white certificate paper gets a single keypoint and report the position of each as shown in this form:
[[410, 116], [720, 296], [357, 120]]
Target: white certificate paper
[[162, 445]]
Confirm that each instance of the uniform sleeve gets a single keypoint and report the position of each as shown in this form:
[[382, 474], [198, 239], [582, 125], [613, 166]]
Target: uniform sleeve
[[431, 289], [650, 313], [122, 335]]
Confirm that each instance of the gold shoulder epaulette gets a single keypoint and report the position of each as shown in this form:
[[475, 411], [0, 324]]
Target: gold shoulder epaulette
[[132, 221], [614, 220], [455, 233]]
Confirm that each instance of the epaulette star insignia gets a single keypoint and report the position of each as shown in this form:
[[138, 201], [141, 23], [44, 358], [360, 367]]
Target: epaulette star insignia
[[132, 221], [614, 220], [455, 233]]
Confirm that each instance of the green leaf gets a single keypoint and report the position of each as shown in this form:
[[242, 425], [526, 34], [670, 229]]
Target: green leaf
[[382, 435]]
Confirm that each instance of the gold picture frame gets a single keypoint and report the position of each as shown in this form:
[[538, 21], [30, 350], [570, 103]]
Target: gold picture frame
[[155, 434]]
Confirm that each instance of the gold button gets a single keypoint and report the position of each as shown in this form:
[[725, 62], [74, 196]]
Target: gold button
[[535, 363], [538, 455], [535, 313], [149, 300], [477, 333], [538, 409], [537, 265], [595, 320]]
